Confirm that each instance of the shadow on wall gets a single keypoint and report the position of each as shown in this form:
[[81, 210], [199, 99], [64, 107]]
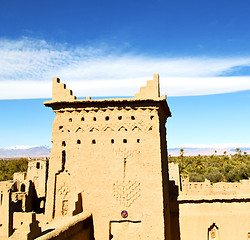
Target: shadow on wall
[[33, 202], [174, 210], [78, 205]]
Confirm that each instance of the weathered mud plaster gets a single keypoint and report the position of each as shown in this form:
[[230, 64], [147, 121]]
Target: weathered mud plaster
[[111, 154]]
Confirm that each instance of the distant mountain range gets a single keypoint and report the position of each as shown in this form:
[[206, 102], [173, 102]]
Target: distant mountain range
[[24, 151], [44, 151]]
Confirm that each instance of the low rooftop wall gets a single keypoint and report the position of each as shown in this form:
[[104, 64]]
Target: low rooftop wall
[[79, 227], [221, 190]]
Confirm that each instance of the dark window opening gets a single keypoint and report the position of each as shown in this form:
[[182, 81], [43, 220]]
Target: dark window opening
[[94, 118], [125, 141], [133, 117], [107, 118], [138, 140], [151, 117], [63, 160], [63, 143], [37, 165], [82, 119], [60, 127], [120, 118], [22, 188], [70, 119], [93, 141], [78, 141], [112, 141]]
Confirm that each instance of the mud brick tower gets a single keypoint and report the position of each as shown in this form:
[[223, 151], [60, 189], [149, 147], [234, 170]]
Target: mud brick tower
[[109, 158]]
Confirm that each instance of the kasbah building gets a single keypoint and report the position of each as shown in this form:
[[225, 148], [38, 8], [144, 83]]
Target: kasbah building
[[108, 179]]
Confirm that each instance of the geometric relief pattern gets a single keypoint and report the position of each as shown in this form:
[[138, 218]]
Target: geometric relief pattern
[[63, 190], [79, 129], [126, 192], [149, 127], [136, 128], [65, 206], [125, 153], [122, 129], [107, 127], [94, 129]]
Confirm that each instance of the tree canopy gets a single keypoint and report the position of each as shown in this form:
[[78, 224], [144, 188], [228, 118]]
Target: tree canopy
[[215, 168], [9, 167]]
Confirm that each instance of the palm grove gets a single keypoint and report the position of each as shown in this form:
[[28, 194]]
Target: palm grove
[[225, 168]]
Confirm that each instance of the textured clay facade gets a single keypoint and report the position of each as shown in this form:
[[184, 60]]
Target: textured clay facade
[[214, 212], [110, 155]]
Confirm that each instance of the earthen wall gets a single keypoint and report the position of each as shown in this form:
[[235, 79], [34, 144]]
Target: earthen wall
[[111, 154]]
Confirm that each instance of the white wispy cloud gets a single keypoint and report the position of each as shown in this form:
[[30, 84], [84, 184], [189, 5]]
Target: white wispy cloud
[[28, 65]]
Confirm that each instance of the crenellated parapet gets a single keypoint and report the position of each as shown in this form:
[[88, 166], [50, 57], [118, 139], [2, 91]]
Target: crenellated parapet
[[60, 92], [221, 190], [151, 90]]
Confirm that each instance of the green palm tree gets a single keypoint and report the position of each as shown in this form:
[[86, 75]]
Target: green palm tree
[[182, 153], [238, 151]]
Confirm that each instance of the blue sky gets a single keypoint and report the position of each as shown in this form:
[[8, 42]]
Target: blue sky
[[201, 49]]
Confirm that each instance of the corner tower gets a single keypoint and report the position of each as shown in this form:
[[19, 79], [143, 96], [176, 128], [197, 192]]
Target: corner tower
[[109, 158]]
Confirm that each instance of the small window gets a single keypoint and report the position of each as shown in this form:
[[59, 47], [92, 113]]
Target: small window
[[60, 127], [82, 119], [120, 118], [70, 119], [151, 117], [23, 188], [37, 165], [63, 143], [107, 118], [94, 118], [93, 141], [112, 141], [78, 141], [138, 140], [133, 117], [125, 141]]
